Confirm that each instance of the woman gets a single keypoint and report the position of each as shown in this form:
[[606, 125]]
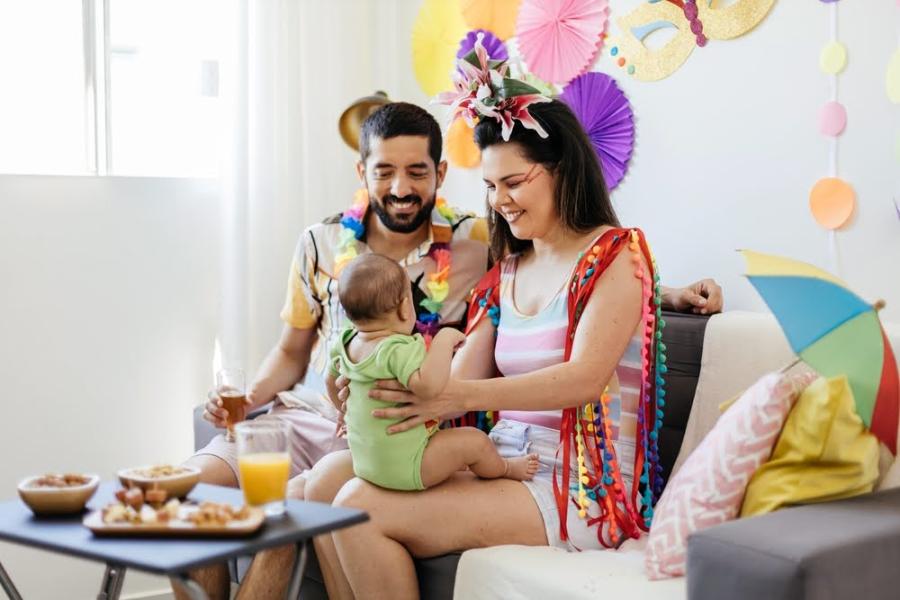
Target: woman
[[567, 318]]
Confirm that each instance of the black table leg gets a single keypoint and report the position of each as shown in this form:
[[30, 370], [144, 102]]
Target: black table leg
[[113, 579], [8, 585], [293, 591], [191, 587]]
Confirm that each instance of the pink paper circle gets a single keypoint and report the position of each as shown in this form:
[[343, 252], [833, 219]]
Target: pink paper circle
[[832, 119]]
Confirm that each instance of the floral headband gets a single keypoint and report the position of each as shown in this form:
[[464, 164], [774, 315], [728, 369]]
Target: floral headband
[[484, 90]]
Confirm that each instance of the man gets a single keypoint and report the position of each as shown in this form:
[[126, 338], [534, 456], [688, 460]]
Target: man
[[399, 215]]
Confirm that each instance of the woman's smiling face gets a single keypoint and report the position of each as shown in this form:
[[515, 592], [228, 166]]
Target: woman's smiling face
[[519, 191]]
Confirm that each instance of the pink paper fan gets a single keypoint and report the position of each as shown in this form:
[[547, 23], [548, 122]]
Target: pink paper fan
[[606, 116], [559, 38]]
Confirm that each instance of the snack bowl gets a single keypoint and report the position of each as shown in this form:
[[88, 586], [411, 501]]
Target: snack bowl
[[45, 498], [177, 481]]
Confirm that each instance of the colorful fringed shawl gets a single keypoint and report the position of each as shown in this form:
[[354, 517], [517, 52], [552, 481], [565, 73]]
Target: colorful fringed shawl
[[622, 513]]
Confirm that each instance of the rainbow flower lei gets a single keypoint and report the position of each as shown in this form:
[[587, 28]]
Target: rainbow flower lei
[[438, 285]]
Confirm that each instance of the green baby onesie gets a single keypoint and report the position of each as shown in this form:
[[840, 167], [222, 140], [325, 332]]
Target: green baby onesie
[[390, 461]]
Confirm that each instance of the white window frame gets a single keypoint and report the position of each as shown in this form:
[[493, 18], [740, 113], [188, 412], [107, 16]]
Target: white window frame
[[98, 136]]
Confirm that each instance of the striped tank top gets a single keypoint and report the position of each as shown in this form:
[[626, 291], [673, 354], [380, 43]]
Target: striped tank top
[[526, 343]]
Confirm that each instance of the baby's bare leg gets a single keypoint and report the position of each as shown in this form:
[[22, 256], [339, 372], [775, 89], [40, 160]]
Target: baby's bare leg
[[451, 450]]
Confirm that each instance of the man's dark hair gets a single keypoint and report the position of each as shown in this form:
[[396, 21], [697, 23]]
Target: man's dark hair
[[401, 118]]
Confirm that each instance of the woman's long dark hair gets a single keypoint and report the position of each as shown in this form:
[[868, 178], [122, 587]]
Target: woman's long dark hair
[[582, 200]]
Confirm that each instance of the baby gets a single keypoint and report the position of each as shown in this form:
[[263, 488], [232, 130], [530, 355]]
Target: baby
[[377, 298]]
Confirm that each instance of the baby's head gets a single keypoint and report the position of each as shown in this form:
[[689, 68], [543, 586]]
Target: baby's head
[[376, 293]]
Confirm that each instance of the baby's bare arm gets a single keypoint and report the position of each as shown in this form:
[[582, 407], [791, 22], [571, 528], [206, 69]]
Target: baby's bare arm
[[432, 376]]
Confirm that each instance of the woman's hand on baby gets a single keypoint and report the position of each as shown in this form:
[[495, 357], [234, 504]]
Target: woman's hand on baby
[[343, 391], [414, 411]]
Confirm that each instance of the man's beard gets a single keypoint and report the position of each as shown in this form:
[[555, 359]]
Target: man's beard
[[404, 223]]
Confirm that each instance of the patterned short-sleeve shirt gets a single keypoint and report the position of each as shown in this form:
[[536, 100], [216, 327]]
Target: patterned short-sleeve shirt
[[312, 296]]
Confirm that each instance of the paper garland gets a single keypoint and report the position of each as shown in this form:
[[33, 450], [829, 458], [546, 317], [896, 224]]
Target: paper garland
[[694, 21], [831, 200]]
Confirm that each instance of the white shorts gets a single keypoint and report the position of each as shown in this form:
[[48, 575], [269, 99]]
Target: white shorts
[[513, 438], [312, 433]]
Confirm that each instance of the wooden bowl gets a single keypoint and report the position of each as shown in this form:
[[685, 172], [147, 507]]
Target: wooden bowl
[[57, 500], [177, 485]]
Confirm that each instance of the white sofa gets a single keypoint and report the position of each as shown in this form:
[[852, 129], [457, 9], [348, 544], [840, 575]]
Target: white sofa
[[738, 348]]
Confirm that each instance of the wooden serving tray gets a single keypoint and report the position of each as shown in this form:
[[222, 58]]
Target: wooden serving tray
[[176, 528]]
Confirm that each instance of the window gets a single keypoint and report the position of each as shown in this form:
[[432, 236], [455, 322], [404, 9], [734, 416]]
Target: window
[[120, 87], [42, 97]]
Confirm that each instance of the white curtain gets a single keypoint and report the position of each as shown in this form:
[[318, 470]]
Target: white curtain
[[297, 65]]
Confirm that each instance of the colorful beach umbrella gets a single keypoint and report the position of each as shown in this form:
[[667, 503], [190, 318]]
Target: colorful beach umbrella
[[835, 332]]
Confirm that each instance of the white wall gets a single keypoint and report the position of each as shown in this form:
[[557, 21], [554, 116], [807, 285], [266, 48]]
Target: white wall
[[107, 321], [728, 148]]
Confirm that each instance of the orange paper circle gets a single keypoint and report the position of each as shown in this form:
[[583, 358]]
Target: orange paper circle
[[461, 148], [831, 202]]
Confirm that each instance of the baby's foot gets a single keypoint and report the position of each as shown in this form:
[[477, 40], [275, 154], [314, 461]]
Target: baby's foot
[[522, 468]]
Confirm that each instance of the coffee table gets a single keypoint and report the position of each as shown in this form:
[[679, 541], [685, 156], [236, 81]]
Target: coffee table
[[172, 557]]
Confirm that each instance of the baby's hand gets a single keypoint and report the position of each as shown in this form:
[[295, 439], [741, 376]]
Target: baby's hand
[[451, 336]]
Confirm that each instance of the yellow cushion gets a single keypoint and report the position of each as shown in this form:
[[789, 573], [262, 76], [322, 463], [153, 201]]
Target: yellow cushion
[[824, 453]]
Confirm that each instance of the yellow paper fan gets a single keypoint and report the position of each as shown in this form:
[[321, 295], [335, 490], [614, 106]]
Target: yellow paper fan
[[435, 39]]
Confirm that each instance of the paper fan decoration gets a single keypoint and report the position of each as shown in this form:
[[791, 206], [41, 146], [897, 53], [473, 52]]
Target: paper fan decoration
[[497, 16], [435, 38], [461, 148], [559, 38], [496, 49], [606, 116]]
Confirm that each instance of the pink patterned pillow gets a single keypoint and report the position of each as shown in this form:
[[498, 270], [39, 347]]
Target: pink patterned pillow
[[709, 487]]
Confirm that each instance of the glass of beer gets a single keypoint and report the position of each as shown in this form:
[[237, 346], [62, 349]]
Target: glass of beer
[[230, 387], [264, 464]]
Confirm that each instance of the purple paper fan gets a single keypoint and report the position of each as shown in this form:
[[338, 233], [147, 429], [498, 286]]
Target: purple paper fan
[[495, 47], [606, 116]]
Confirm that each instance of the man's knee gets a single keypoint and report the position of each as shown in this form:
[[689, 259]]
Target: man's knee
[[327, 477], [296, 487], [356, 493]]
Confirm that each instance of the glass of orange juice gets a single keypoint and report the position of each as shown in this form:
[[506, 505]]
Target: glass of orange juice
[[264, 464]]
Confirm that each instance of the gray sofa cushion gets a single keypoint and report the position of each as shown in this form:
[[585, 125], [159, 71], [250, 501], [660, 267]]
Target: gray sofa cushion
[[830, 551], [683, 338], [436, 578]]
